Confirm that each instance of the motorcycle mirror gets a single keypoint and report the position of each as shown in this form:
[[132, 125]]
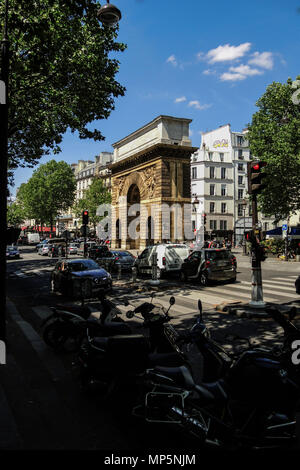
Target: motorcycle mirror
[[130, 314], [172, 300]]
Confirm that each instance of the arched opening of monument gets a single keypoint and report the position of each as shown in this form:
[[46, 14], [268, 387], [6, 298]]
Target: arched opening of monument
[[133, 213]]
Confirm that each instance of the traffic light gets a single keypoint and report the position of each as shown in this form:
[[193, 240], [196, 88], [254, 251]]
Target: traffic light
[[85, 217], [249, 236], [204, 219], [255, 177]]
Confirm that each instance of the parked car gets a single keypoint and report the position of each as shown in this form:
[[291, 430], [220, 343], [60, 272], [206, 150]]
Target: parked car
[[122, 258], [79, 278], [80, 249], [209, 264], [97, 251], [73, 248], [42, 243], [44, 249], [169, 258], [12, 252]]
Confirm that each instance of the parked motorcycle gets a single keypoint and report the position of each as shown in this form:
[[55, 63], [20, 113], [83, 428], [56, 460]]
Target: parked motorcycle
[[251, 405], [65, 328], [117, 360]]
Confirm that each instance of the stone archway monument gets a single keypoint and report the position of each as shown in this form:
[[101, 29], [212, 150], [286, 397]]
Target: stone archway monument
[[151, 185]]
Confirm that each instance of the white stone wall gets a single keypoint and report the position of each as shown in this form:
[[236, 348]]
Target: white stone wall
[[163, 129]]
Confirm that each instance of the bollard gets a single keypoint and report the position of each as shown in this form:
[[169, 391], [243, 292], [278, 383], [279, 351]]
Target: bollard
[[119, 271], [154, 280], [134, 274]]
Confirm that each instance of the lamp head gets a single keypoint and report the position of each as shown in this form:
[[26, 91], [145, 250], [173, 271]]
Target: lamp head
[[109, 14]]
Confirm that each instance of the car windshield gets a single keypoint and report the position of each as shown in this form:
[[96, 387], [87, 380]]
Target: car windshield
[[10, 248], [122, 254], [84, 265], [180, 251], [218, 255]]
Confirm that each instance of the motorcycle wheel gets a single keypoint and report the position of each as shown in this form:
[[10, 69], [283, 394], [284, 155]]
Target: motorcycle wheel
[[56, 336]]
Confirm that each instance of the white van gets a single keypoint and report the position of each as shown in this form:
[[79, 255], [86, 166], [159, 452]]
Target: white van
[[170, 257], [33, 238]]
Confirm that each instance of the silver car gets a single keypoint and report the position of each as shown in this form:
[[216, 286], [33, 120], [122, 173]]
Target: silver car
[[44, 250]]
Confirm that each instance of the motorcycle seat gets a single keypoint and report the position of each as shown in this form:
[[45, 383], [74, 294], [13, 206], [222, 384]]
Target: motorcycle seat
[[76, 309], [214, 389], [181, 375], [121, 343], [165, 359], [108, 329]]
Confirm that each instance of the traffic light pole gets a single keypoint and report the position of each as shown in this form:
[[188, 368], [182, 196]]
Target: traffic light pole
[[257, 289]]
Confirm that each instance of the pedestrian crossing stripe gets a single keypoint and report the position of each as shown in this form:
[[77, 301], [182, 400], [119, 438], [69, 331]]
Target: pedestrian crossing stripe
[[265, 285]]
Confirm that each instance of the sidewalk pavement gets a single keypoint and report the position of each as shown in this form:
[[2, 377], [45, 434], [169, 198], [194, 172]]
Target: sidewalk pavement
[[33, 410]]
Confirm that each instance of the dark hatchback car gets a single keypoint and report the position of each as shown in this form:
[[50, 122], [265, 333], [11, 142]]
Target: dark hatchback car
[[209, 264], [80, 278], [12, 252], [122, 258]]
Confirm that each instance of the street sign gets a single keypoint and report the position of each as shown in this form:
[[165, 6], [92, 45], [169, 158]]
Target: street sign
[[284, 227]]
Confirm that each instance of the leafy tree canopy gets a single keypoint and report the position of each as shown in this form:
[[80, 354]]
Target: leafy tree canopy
[[15, 214], [61, 76], [274, 137], [49, 191]]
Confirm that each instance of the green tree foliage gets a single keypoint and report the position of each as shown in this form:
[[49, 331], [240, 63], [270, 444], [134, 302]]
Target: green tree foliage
[[274, 137], [15, 214], [49, 191], [61, 76], [96, 195]]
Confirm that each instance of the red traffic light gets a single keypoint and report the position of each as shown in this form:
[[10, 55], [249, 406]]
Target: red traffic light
[[255, 177]]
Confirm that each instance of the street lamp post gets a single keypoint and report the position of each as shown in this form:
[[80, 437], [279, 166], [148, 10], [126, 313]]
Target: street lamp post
[[196, 204], [3, 166], [108, 15], [244, 205]]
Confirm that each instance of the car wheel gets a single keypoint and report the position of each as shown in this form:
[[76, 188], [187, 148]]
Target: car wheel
[[203, 279], [182, 276]]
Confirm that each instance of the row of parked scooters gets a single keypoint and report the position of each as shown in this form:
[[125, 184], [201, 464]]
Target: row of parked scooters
[[225, 400]]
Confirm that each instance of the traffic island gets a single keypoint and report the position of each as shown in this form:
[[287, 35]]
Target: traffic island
[[244, 310]]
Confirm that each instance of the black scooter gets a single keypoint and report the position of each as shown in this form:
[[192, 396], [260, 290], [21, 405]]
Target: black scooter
[[118, 360], [251, 405], [66, 327]]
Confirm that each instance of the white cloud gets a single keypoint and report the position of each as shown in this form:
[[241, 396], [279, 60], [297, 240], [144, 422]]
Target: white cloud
[[180, 99], [191, 132], [196, 104], [172, 60], [200, 55], [227, 76], [209, 72], [240, 73], [227, 52], [245, 70], [262, 59]]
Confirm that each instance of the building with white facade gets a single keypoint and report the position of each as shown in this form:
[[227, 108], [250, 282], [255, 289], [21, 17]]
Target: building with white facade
[[219, 180]]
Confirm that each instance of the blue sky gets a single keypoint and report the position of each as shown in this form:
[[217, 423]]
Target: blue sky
[[207, 61]]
